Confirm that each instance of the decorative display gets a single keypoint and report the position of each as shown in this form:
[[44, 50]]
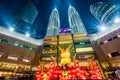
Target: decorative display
[[67, 71], [65, 56]]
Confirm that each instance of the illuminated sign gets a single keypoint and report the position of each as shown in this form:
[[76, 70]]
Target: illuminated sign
[[65, 31]]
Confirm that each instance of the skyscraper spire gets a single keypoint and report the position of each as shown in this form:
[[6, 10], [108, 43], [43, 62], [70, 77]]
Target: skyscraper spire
[[53, 24], [75, 21]]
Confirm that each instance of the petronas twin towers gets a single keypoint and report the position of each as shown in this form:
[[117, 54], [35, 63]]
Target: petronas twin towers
[[75, 22]]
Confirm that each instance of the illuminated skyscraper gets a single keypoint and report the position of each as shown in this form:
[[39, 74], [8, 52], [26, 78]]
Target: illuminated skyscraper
[[80, 44], [53, 24], [75, 21], [105, 12], [24, 17]]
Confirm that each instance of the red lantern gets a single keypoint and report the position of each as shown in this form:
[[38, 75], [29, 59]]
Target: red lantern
[[69, 76], [37, 72], [74, 71], [56, 71], [51, 70], [55, 76], [77, 69], [69, 72]]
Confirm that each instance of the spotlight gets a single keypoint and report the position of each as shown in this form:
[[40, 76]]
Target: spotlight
[[102, 28], [117, 20], [27, 34], [11, 29]]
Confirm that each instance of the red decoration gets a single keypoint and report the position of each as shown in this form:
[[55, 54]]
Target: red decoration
[[73, 72]]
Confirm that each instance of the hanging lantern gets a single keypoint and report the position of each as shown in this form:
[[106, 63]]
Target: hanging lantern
[[55, 75], [73, 71], [77, 69]]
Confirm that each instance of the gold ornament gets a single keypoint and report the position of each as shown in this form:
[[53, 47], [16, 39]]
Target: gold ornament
[[90, 59], [65, 56]]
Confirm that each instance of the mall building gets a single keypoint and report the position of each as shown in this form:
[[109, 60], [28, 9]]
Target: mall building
[[106, 42]]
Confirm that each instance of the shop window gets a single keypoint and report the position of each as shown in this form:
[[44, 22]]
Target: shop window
[[114, 54], [101, 43], [110, 39], [87, 42], [47, 46], [115, 37], [77, 43]]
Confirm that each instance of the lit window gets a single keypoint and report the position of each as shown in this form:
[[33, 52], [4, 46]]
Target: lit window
[[81, 56], [12, 58], [26, 60], [82, 42], [49, 59], [15, 43], [110, 55], [87, 49], [105, 41], [118, 35]]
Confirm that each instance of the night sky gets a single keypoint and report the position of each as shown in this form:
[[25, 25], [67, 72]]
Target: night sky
[[45, 7]]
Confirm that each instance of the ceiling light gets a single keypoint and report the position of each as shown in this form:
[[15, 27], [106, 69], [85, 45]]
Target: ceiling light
[[117, 20], [27, 34], [11, 29], [102, 28]]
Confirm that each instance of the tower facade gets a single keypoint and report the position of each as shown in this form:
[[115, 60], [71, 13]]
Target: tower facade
[[79, 41], [24, 17], [105, 12], [75, 21], [53, 24]]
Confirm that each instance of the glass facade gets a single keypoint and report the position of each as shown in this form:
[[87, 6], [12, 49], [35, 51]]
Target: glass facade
[[105, 12], [83, 46], [24, 17], [75, 21], [53, 24]]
